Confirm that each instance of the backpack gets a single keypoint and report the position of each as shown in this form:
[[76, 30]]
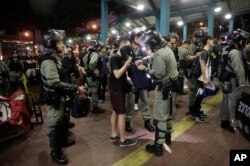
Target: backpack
[[196, 68], [87, 59], [223, 73], [141, 79]]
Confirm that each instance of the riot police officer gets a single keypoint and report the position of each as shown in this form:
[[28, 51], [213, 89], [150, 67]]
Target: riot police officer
[[55, 91], [139, 80], [164, 70], [235, 72], [194, 52], [93, 66]]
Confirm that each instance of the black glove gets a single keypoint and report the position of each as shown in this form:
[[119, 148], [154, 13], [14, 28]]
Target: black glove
[[65, 88]]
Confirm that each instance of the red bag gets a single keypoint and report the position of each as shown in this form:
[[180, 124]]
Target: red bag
[[19, 112]]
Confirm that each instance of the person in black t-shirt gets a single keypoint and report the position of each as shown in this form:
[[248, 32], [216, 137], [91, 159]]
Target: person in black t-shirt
[[204, 79], [117, 87]]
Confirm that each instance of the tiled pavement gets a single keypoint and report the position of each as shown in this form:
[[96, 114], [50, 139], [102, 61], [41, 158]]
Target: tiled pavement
[[202, 144]]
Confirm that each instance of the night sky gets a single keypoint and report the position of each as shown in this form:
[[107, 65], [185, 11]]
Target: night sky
[[16, 15]]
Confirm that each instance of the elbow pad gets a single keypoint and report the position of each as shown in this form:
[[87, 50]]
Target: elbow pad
[[65, 88]]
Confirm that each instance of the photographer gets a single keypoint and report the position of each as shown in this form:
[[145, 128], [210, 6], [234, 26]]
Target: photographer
[[55, 93]]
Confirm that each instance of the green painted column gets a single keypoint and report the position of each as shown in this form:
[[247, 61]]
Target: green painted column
[[211, 21], [231, 25], [185, 31], [157, 24], [104, 20], [164, 17]]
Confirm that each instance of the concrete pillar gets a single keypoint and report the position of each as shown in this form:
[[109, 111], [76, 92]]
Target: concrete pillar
[[231, 25], [211, 21], [185, 31], [104, 20], [157, 25], [164, 17]]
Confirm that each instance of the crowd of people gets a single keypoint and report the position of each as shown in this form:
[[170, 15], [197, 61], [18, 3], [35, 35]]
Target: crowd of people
[[129, 68]]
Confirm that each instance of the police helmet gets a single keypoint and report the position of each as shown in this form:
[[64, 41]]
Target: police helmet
[[200, 33], [152, 39], [237, 35], [94, 44], [173, 35], [52, 37], [137, 32]]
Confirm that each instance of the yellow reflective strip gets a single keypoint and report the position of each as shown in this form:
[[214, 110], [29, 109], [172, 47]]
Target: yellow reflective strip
[[140, 156]]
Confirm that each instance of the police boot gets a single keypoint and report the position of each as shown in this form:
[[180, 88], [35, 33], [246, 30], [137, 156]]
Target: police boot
[[168, 138], [66, 140], [225, 124], [191, 111], [156, 148], [71, 125], [55, 147], [128, 126], [148, 126], [97, 110]]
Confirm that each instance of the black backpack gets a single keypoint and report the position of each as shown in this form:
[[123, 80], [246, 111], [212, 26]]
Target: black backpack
[[196, 68], [223, 73]]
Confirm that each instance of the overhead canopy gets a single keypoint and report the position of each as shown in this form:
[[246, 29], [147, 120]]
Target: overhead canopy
[[180, 10]]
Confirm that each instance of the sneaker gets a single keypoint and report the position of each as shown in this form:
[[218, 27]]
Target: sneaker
[[114, 139], [201, 114], [136, 107], [199, 119], [101, 101], [193, 116], [128, 142]]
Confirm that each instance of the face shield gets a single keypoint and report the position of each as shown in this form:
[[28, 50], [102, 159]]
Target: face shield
[[238, 37], [52, 37], [151, 40]]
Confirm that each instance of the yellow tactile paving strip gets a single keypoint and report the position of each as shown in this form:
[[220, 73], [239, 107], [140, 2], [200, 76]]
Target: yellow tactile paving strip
[[140, 156]]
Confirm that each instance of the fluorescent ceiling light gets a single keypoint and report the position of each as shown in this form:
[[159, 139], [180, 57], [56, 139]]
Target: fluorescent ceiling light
[[218, 9], [180, 23], [127, 24], [228, 16], [140, 7], [88, 38], [70, 40]]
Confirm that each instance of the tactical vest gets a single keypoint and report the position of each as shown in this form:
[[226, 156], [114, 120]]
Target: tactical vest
[[225, 74]]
